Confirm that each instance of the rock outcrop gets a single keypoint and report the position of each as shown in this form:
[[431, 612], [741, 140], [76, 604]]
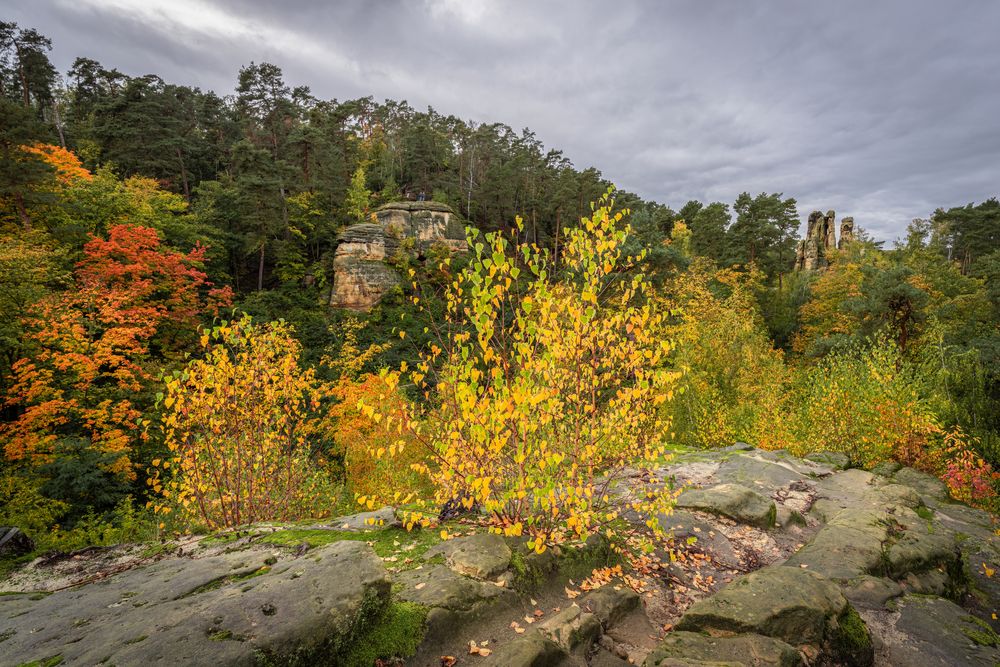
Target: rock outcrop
[[361, 275], [846, 232], [877, 568], [821, 237]]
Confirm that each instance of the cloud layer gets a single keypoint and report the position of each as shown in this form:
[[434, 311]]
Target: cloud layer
[[884, 111]]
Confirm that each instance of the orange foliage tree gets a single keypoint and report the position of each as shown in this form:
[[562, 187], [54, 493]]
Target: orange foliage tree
[[91, 345], [67, 166]]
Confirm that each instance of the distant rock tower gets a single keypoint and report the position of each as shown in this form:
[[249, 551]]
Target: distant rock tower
[[360, 275], [821, 238], [846, 232]]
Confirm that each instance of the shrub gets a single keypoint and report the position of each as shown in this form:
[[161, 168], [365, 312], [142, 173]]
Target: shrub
[[238, 425], [544, 391], [862, 401], [734, 381]]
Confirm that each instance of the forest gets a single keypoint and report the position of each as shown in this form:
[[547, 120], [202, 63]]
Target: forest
[[169, 361]]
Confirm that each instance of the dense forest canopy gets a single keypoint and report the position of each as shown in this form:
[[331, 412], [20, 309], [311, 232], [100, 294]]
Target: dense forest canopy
[[135, 211]]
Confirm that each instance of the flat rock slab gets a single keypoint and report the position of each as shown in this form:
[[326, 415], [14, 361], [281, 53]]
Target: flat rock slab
[[439, 586], [928, 486], [835, 460], [731, 500], [691, 648], [758, 473], [786, 603], [708, 538], [893, 542], [934, 632], [381, 518], [858, 488], [483, 556], [225, 610]]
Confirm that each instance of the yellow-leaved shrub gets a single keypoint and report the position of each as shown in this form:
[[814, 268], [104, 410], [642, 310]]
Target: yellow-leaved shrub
[[543, 392], [238, 424]]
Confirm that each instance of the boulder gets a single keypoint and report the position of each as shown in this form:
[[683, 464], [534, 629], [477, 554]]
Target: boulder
[[439, 586], [868, 592], [532, 649], [934, 632], [758, 473], [928, 486], [234, 609], [849, 545], [14, 543], [787, 603], [731, 500], [684, 526], [609, 604], [836, 460], [572, 629], [483, 555], [690, 648]]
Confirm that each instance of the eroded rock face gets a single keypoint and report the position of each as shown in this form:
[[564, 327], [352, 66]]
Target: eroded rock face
[[361, 275], [821, 237]]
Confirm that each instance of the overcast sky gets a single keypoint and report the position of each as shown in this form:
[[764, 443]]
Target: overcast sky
[[880, 110]]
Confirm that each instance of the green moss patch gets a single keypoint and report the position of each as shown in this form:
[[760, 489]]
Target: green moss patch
[[982, 634], [47, 662], [395, 635], [403, 549], [851, 641]]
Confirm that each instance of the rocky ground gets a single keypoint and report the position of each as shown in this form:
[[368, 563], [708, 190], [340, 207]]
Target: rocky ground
[[775, 561]]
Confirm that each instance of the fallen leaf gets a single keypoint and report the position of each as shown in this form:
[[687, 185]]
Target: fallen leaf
[[571, 593], [478, 650], [533, 602], [500, 583], [538, 613], [988, 570], [420, 585], [517, 627], [529, 619], [448, 661]]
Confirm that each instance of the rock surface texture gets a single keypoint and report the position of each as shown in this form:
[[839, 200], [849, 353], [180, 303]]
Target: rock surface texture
[[361, 274], [773, 560]]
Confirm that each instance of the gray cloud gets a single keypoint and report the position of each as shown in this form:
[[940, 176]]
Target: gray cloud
[[883, 111]]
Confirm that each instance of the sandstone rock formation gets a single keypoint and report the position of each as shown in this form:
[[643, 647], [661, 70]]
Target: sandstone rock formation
[[361, 275], [821, 238], [846, 232], [880, 568]]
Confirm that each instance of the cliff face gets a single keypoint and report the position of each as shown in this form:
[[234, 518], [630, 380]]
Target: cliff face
[[821, 237], [360, 275]]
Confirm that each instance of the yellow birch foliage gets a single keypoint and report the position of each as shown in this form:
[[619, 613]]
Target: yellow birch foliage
[[734, 381], [545, 391], [238, 426]]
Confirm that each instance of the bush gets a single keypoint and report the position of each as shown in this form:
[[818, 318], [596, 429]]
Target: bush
[[862, 401], [544, 391], [734, 382], [238, 425]]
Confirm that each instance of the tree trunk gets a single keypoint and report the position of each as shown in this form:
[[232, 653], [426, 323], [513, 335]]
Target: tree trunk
[[22, 212], [260, 270], [24, 77], [184, 177], [55, 114]]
